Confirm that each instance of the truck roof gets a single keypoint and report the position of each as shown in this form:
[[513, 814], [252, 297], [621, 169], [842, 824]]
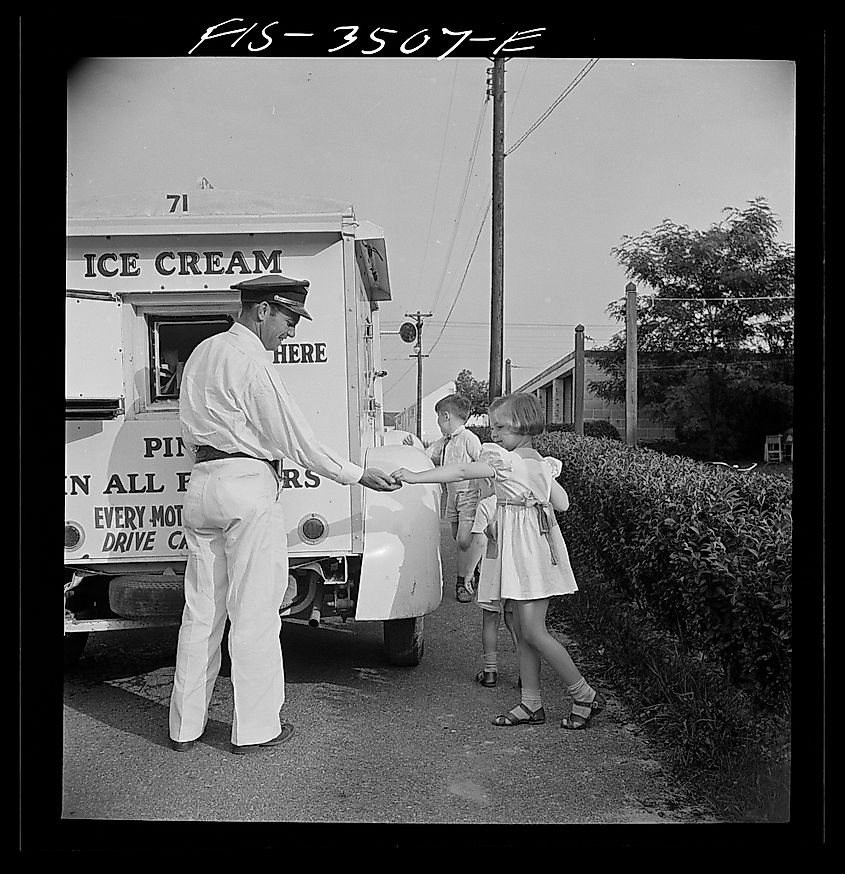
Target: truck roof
[[219, 211], [205, 210]]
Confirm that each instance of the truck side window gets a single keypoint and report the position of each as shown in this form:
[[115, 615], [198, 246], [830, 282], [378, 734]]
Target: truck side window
[[172, 339]]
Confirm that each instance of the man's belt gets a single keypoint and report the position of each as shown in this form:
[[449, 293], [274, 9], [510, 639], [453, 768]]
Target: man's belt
[[209, 453]]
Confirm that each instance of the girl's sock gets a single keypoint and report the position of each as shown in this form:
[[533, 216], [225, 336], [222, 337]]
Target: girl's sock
[[491, 661], [531, 699], [582, 691]]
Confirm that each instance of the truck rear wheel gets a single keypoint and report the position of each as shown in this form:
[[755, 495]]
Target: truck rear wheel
[[403, 640]]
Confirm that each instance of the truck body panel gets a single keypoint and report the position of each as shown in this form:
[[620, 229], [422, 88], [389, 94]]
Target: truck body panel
[[150, 277]]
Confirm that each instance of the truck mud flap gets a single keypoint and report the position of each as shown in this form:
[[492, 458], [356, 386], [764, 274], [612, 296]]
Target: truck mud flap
[[404, 641]]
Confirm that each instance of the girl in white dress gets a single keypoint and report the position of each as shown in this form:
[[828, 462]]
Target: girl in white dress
[[532, 564]]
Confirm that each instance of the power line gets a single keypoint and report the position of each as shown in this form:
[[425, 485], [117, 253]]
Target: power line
[[457, 295], [518, 91], [533, 127], [549, 325], [483, 220], [396, 384], [568, 90], [437, 183], [462, 201], [458, 292], [468, 179]]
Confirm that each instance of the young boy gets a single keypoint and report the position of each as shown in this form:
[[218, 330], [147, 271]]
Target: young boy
[[458, 445], [495, 611]]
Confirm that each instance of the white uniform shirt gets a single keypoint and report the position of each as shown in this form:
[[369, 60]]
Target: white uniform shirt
[[232, 398]]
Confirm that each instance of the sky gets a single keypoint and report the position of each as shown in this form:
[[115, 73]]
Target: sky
[[408, 142]]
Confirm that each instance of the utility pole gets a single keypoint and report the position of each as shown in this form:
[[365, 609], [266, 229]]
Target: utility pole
[[418, 354], [631, 364], [498, 245]]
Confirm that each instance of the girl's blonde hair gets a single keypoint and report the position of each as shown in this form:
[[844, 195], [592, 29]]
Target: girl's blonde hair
[[520, 411]]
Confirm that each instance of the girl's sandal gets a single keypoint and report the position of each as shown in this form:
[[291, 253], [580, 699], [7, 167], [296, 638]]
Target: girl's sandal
[[582, 713], [521, 715], [487, 678]]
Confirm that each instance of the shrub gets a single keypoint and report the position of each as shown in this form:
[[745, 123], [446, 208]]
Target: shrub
[[732, 756], [592, 428], [480, 431], [707, 555]]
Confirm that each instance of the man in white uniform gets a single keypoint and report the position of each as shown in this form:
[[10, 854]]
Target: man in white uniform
[[238, 417]]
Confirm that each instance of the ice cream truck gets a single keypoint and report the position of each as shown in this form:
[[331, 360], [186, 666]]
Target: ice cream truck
[[149, 276]]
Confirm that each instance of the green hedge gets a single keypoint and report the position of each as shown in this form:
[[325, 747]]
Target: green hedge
[[592, 428], [480, 431], [707, 553]]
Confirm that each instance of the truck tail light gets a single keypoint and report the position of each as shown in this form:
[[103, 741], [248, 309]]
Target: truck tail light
[[313, 528], [74, 536]]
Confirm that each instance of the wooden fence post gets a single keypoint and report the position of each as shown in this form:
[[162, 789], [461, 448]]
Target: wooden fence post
[[631, 364], [578, 383]]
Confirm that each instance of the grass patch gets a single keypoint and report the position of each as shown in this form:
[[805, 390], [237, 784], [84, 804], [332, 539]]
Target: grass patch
[[731, 757]]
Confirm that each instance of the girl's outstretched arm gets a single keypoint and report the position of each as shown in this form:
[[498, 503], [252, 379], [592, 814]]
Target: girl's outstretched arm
[[447, 473], [559, 499]]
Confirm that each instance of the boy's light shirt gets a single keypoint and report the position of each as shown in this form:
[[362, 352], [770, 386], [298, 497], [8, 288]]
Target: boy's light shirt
[[462, 447]]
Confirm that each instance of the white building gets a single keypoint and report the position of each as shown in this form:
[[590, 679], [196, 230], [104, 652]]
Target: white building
[[407, 419], [555, 389]]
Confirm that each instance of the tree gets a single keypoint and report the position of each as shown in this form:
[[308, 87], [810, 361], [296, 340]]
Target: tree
[[718, 328], [475, 390]]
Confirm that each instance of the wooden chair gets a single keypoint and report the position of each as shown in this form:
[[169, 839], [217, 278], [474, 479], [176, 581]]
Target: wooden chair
[[773, 450]]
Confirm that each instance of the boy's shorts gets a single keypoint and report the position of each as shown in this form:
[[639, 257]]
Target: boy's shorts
[[489, 606], [503, 606], [461, 506]]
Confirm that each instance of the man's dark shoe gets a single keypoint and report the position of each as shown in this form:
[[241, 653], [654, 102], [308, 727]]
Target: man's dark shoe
[[182, 746], [280, 738]]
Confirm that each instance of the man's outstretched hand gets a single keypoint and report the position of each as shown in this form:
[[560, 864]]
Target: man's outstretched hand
[[378, 480]]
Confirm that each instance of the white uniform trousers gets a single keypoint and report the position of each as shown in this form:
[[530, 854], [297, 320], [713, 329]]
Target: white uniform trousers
[[237, 566]]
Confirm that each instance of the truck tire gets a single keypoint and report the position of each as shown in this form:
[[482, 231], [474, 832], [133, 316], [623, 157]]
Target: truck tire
[[403, 641], [74, 644], [139, 595]]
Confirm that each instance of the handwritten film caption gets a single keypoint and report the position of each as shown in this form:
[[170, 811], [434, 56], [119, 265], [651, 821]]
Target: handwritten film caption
[[409, 45]]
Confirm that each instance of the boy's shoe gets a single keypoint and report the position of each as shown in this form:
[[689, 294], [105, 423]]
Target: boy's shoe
[[487, 678], [462, 593]]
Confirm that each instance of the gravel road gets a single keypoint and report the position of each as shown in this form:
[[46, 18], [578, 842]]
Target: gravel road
[[373, 743]]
